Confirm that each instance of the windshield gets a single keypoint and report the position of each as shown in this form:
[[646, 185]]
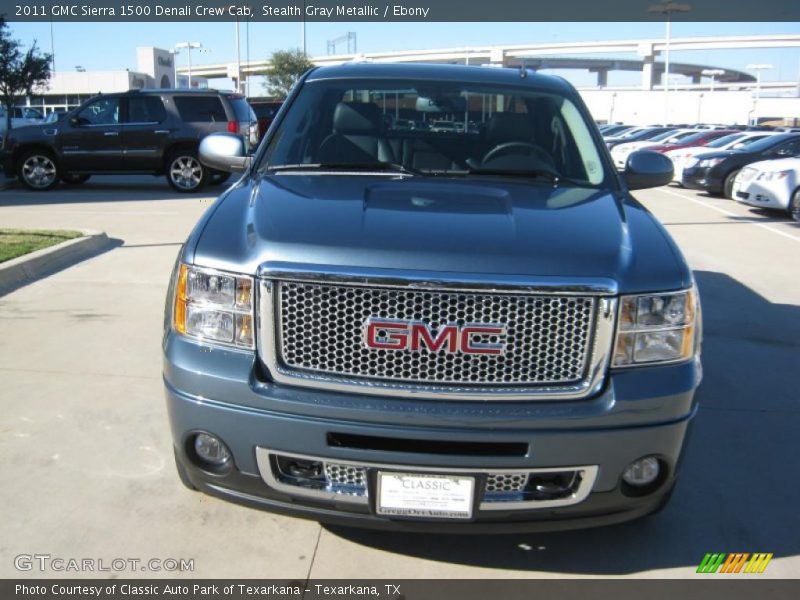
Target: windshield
[[666, 135], [725, 140], [458, 129], [767, 143], [693, 137]]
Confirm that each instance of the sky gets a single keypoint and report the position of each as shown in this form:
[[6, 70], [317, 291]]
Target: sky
[[113, 45]]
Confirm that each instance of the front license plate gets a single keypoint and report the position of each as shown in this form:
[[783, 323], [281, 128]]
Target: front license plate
[[425, 496]]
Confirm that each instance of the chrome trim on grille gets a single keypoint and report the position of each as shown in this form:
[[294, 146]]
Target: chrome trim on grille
[[439, 280], [587, 473], [598, 348]]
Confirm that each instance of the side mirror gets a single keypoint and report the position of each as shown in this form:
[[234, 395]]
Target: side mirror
[[224, 152], [75, 121], [647, 169]]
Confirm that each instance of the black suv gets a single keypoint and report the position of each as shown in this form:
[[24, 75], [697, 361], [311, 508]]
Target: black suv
[[140, 131]]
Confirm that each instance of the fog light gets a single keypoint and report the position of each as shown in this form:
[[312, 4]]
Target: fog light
[[642, 472], [211, 449]]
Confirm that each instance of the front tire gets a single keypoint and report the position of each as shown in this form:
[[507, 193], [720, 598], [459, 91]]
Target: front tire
[[185, 172], [38, 170], [794, 205], [727, 186]]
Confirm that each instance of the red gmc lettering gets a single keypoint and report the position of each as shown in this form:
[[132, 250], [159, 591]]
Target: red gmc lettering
[[396, 335], [447, 334], [387, 334], [468, 346]]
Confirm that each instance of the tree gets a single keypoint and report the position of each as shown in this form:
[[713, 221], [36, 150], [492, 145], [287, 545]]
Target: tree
[[287, 67], [21, 73]]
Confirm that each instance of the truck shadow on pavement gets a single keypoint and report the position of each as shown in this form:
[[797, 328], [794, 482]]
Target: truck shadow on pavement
[[106, 188], [738, 490]]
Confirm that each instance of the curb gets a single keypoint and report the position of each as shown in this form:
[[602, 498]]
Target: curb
[[26, 269]]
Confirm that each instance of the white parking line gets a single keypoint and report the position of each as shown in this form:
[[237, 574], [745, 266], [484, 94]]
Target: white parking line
[[729, 213]]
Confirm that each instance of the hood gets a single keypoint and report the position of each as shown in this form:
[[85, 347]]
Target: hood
[[475, 226]]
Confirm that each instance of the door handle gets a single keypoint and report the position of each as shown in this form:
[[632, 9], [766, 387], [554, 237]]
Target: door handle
[[161, 131], [110, 133]]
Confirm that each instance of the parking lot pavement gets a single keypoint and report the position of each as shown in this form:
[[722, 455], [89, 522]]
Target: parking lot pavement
[[86, 451]]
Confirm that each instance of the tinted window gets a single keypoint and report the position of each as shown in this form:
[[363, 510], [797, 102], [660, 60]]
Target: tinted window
[[201, 109], [104, 111], [789, 148], [145, 109], [768, 142], [241, 109]]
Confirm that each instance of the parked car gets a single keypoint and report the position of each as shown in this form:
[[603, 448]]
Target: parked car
[[410, 330], [614, 130], [620, 152], [641, 134], [141, 131], [733, 141], [265, 113], [771, 184], [715, 172], [698, 139]]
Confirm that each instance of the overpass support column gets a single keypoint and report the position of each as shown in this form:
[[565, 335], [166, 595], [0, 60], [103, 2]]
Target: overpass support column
[[648, 55], [497, 56], [697, 78], [602, 77]]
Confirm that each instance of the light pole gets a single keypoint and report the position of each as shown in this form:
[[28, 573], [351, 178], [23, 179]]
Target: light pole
[[713, 73], [174, 53], [757, 68], [189, 47], [666, 9], [303, 30]]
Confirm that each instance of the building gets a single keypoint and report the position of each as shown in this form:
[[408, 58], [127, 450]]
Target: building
[[155, 68]]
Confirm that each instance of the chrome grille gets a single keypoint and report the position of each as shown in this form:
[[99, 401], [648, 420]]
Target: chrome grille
[[347, 475], [547, 342], [506, 482]]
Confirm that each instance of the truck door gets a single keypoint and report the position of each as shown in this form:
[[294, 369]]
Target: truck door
[[145, 132]]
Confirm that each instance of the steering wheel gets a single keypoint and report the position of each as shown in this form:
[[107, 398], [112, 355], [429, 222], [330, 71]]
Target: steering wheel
[[533, 149]]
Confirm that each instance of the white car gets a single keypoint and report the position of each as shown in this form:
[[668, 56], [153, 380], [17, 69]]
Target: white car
[[20, 117], [770, 184], [621, 152], [683, 157]]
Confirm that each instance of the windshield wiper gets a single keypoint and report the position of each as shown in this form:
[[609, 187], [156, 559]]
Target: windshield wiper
[[376, 166], [546, 174]]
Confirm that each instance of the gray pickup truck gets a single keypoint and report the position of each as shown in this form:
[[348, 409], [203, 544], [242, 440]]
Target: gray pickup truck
[[475, 330]]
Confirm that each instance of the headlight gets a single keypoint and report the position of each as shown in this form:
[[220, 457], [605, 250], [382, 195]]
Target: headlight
[[214, 306], [656, 328], [770, 175], [710, 162]]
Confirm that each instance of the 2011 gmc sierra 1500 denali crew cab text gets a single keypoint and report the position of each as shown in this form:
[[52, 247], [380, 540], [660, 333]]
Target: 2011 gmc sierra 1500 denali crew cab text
[[473, 328]]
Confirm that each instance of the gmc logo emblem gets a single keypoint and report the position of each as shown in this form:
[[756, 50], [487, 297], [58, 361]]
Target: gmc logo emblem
[[396, 334]]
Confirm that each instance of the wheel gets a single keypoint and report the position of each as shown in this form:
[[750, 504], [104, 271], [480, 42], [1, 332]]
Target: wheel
[[38, 170], [794, 205], [74, 178], [185, 173], [218, 177], [183, 475], [727, 186]]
